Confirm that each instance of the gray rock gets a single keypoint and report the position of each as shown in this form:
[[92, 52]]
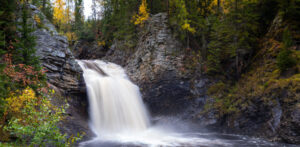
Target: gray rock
[[63, 73], [155, 65]]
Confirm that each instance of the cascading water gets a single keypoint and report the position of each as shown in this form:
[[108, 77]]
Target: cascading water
[[115, 102], [119, 117]]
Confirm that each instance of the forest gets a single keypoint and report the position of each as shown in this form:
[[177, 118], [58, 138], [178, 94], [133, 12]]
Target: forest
[[229, 40]]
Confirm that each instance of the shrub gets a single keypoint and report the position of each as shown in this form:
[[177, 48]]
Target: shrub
[[33, 120], [285, 60]]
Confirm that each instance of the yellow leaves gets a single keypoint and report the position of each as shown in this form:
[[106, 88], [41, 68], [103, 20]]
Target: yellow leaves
[[101, 43], [143, 14], [59, 12], [179, 11], [37, 19], [71, 36], [17, 102], [187, 26]]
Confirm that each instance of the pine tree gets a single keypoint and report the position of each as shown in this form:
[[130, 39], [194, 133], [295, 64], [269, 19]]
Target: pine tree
[[116, 23], [78, 16], [25, 46], [7, 35]]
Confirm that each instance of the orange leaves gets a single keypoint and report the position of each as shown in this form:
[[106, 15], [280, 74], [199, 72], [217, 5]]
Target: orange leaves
[[21, 73]]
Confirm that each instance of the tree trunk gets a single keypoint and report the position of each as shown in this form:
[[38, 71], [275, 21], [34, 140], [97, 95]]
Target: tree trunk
[[204, 45], [44, 6], [236, 40], [219, 7]]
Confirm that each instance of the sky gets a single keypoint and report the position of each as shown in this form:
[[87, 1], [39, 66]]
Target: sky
[[87, 8]]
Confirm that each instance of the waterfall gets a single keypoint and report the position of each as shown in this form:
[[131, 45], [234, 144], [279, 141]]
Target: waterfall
[[115, 102], [119, 117]]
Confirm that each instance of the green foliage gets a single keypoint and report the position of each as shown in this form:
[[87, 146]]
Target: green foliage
[[285, 58], [79, 16], [87, 31], [234, 37], [157, 6], [35, 120], [290, 9], [7, 35], [216, 88], [2, 66], [116, 22], [30, 118], [179, 18], [45, 6], [26, 42]]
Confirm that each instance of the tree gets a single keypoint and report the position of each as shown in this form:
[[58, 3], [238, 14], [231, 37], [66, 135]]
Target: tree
[[25, 44], [285, 57], [142, 15], [78, 16], [116, 22], [59, 13]]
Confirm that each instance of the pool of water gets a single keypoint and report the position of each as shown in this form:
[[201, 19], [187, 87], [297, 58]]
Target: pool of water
[[182, 140]]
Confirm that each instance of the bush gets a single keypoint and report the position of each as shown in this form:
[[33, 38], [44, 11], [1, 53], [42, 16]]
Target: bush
[[33, 120], [285, 60]]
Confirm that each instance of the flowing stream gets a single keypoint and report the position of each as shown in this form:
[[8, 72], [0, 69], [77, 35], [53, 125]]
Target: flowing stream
[[120, 119]]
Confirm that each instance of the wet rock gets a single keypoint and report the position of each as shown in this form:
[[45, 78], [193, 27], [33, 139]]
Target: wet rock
[[88, 50], [290, 126]]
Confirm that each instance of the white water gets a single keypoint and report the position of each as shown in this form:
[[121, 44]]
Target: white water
[[119, 116], [115, 102]]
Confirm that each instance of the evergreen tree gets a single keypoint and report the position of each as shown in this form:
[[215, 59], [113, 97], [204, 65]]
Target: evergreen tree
[[234, 36], [285, 58], [45, 6], [117, 23], [78, 16], [7, 35], [25, 46]]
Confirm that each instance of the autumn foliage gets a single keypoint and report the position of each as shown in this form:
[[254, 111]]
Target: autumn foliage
[[142, 15], [21, 73]]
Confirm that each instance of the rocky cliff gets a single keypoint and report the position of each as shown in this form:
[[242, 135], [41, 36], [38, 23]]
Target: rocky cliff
[[264, 101], [157, 65], [63, 72]]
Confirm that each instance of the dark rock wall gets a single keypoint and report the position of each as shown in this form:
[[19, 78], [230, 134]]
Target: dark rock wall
[[88, 50], [155, 65], [63, 73]]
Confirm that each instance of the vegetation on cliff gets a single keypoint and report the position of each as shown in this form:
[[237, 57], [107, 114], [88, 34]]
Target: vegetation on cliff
[[27, 116], [250, 46]]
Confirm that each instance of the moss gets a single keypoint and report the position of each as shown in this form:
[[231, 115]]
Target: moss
[[216, 88], [263, 83]]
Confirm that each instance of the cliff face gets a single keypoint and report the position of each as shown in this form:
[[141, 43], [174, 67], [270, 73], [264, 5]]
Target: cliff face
[[62, 71], [157, 67], [261, 103], [264, 102]]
